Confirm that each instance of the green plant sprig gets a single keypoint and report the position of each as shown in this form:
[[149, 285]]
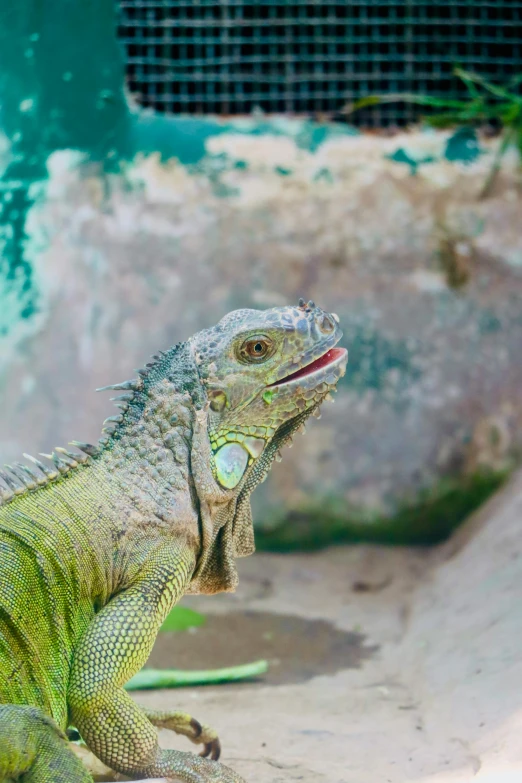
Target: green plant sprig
[[487, 102]]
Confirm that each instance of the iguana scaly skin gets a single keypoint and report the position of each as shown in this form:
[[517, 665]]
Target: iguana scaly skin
[[95, 550]]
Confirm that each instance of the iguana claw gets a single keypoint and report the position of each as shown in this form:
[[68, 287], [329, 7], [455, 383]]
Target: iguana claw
[[212, 745], [186, 725]]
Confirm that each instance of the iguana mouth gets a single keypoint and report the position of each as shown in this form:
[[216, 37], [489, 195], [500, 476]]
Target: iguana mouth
[[331, 358]]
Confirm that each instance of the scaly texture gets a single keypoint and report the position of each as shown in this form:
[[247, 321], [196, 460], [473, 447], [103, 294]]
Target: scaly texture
[[96, 549]]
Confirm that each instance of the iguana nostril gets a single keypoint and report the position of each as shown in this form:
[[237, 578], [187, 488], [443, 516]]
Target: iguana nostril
[[326, 324]]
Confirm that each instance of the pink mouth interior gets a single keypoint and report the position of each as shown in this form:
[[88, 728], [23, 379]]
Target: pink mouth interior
[[323, 361]]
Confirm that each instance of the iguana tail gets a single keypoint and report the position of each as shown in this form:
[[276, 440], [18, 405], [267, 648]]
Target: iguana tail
[[33, 749]]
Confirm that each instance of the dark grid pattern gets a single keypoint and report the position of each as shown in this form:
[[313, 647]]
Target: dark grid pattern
[[311, 57]]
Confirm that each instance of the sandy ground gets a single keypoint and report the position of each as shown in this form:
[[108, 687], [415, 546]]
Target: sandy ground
[[386, 665]]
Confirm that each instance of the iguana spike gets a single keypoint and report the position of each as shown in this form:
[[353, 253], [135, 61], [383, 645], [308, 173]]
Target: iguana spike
[[51, 474], [124, 397], [316, 413], [7, 479], [20, 475], [62, 466], [87, 448], [13, 472], [123, 406], [36, 462], [5, 495], [111, 420], [27, 471], [133, 385], [36, 477], [72, 459]]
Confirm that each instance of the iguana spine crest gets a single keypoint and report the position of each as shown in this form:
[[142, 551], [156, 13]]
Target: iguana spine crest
[[19, 479]]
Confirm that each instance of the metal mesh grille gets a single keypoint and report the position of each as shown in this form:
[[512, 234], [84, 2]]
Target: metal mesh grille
[[311, 57]]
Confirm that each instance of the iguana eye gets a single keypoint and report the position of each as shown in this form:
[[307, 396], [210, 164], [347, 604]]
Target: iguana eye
[[256, 349]]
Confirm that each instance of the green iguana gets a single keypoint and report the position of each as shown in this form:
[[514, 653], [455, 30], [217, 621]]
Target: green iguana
[[95, 550]]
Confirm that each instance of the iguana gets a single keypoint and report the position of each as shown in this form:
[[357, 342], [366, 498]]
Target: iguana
[[98, 545]]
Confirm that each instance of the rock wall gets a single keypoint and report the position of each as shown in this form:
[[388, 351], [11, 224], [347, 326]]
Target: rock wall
[[123, 232]]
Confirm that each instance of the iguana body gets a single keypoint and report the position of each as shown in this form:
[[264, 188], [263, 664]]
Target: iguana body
[[96, 550]]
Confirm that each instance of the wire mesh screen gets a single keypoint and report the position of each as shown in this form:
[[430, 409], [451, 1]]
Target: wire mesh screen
[[312, 57]]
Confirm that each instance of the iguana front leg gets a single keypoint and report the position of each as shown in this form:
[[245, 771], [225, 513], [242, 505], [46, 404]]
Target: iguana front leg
[[114, 647]]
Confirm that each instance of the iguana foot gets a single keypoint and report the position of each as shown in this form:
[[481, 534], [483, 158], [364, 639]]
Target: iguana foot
[[188, 768], [182, 723]]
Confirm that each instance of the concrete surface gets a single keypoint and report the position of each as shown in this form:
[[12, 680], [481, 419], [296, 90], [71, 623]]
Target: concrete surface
[[430, 690]]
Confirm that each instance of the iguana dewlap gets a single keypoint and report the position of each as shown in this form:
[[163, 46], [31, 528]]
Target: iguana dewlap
[[97, 548]]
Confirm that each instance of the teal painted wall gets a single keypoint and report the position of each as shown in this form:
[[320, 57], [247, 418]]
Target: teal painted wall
[[61, 87], [122, 232]]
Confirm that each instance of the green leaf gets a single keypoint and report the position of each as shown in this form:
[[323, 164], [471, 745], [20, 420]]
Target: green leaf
[[510, 114], [181, 618], [468, 81], [174, 678], [443, 120], [516, 80], [406, 97]]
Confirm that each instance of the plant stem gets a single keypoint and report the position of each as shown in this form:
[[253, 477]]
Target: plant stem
[[507, 138]]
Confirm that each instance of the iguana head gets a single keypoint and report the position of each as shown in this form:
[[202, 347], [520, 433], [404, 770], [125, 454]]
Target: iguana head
[[264, 372]]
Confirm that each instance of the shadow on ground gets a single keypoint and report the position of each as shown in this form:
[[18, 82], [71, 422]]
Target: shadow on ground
[[296, 649]]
